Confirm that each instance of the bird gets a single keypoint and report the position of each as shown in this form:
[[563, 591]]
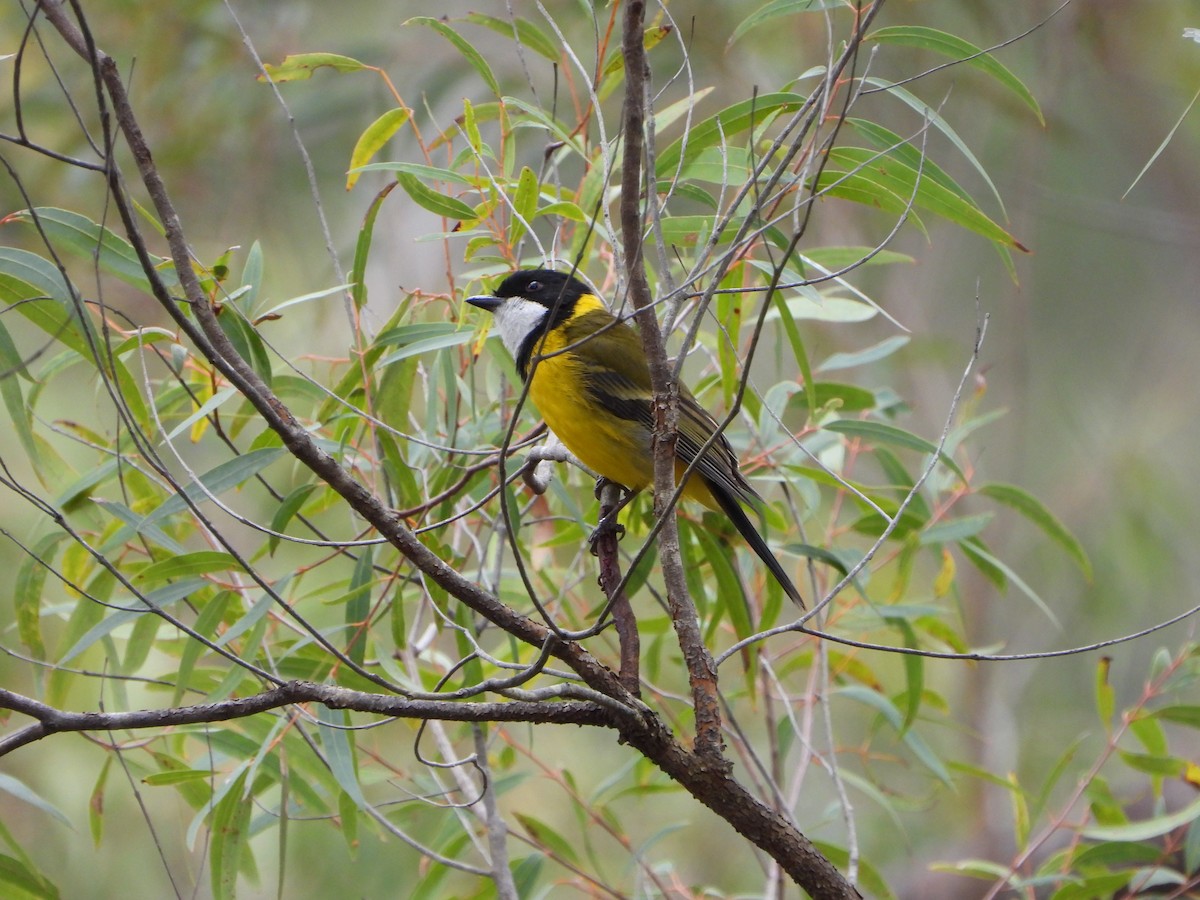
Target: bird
[[587, 374]]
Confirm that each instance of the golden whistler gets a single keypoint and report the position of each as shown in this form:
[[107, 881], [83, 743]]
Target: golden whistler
[[588, 376]]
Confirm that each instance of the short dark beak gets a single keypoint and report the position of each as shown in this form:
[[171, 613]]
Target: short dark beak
[[491, 304]]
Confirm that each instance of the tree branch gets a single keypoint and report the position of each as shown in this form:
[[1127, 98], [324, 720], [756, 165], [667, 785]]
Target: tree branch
[[702, 673], [56, 721]]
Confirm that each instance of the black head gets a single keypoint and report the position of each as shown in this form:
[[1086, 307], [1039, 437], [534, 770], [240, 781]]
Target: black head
[[553, 290]]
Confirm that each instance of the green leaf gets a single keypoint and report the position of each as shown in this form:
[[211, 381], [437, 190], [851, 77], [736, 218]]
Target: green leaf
[[122, 615], [300, 66], [799, 353], [206, 624], [834, 259], [217, 480], [820, 308], [777, 8], [26, 275], [728, 122], [1037, 513], [427, 345], [27, 592], [978, 551], [526, 33], [358, 606], [96, 803], [428, 198], [961, 51], [362, 249], [339, 747], [251, 619], [1182, 715], [729, 595], [549, 837], [524, 200], [463, 46], [246, 342], [1149, 731], [373, 139], [868, 876], [848, 397], [421, 171], [878, 432], [903, 149], [35, 289], [178, 776], [719, 165], [201, 562], [564, 209], [288, 507], [90, 240], [14, 787], [230, 838], [874, 353], [136, 526], [893, 716], [952, 530], [914, 671], [1147, 828], [213, 402], [351, 380], [1151, 764], [887, 178], [11, 364], [24, 881], [925, 111], [252, 278]]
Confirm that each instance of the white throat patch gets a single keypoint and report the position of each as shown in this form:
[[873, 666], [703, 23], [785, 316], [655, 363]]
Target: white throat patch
[[515, 318]]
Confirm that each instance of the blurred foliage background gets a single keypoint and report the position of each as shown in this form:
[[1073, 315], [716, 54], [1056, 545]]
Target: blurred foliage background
[[1091, 349]]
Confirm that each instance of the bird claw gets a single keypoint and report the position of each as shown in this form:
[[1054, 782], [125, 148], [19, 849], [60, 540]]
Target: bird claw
[[606, 526]]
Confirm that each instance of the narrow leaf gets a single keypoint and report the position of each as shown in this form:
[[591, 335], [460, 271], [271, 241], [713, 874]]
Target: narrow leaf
[[890, 434], [373, 139], [1147, 828], [300, 66], [288, 507], [1037, 513], [522, 31], [90, 240], [14, 787], [961, 51], [726, 123], [427, 198], [777, 8], [216, 481], [874, 353], [230, 838], [340, 750], [202, 562], [463, 46], [524, 201]]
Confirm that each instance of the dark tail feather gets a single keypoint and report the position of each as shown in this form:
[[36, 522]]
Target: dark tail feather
[[732, 508]]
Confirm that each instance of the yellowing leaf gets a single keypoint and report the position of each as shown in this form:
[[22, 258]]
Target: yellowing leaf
[[373, 139], [300, 66]]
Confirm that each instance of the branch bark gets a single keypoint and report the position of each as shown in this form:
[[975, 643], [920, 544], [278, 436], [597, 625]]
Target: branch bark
[[702, 673]]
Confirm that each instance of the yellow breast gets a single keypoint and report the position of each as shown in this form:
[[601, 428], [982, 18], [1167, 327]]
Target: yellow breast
[[608, 445]]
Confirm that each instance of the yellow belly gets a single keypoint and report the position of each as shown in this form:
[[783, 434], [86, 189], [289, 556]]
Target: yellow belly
[[616, 448]]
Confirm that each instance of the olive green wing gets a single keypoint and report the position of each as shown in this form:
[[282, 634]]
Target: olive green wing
[[615, 374]]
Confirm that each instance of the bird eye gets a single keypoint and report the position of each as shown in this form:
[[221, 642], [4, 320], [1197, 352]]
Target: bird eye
[[534, 287]]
